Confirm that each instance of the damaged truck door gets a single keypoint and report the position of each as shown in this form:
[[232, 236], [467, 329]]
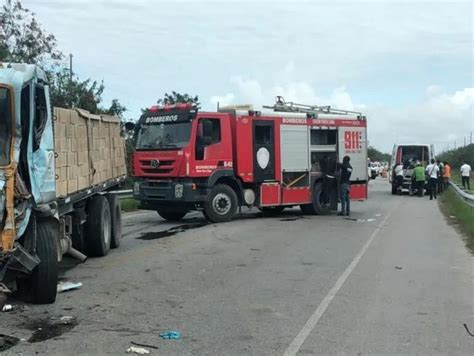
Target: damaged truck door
[[56, 166]]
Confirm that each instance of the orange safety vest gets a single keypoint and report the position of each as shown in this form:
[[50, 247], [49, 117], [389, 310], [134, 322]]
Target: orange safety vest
[[447, 171]]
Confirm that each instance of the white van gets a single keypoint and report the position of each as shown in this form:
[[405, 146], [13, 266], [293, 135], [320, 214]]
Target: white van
[[408, 155]]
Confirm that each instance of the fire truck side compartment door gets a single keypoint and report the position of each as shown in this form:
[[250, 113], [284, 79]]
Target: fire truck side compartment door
[[263, 150], [353, 143], [294, 148]]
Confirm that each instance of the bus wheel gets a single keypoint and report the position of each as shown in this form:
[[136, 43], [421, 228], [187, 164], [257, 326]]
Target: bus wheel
[[172, 215], [41, 285], [221, 203]]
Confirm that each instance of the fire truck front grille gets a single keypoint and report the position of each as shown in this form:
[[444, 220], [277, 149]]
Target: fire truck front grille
[[157, 166]]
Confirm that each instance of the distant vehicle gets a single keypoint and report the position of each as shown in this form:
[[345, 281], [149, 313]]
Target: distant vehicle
[[408, 155], [375, 169]]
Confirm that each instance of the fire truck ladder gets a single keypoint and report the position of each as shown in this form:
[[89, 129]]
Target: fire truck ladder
[[313, 110]]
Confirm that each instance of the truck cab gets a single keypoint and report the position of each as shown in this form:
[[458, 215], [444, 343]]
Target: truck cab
[[44, 213], [176, 151]]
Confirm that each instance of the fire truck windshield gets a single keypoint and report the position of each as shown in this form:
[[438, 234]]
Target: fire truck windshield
[[5, 126], [163, 136]]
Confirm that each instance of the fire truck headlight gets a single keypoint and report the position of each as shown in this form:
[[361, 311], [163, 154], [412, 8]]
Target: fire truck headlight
[[178, 191], [136, 188]]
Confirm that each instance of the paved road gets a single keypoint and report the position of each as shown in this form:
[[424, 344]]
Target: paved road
[[397, 281]]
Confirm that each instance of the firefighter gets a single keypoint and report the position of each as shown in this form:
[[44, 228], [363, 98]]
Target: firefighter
[[418, 180], [346, 171]]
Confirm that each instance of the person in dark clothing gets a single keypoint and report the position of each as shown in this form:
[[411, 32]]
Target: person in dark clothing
[[346, 171]]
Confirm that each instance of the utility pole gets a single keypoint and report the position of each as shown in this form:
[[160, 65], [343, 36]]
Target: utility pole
[[70, 80]]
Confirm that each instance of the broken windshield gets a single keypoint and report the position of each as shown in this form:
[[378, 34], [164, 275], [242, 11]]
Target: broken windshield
[[164, 136], [5, 126]]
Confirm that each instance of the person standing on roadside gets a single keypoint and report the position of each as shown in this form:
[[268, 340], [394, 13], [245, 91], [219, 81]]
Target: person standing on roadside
[[398, 172], [446, 174], [346, 171], [432, 170], [465, 175], [418, 179], [440, 175]]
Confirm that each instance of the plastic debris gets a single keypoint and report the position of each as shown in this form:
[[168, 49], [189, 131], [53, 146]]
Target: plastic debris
[[7, 308], [377, 215], [137, 350], [398, 267], [66, 318], [452, 216], [67, 286], [369, 220], [171, 335]]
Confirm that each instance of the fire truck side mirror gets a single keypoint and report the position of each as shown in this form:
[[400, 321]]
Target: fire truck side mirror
[[129, 126]]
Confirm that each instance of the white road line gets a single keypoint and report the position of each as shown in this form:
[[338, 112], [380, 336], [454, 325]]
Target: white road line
[[318, 313]]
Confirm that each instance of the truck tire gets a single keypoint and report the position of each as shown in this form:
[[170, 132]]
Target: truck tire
[[319, 207], [116, 220], [40, 287], [307, 209], [98, 226], [172, 215], [221, 203]]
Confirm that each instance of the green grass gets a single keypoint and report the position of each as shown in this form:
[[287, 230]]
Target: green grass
[[128, 204], [451, 205]]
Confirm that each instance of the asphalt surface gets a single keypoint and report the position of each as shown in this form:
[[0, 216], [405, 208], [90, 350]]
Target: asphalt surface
[[394, 279]]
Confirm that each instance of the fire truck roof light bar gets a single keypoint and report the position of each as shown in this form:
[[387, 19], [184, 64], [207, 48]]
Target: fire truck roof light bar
[[283, 106]]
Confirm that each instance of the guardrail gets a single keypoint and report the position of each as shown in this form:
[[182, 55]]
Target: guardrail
[[128, 193], [468, 198]]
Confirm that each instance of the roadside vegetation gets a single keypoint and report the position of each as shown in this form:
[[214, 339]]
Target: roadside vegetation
[[460, 214], [128, 204]]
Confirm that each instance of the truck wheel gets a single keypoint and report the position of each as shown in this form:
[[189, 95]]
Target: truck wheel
[[98, 226], [41, 286], [308, 209], [116, 217], [221, 203], [172, 215], [318, 197]]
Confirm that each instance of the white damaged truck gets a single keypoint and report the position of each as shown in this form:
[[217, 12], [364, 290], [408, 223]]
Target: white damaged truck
[[57, 169]]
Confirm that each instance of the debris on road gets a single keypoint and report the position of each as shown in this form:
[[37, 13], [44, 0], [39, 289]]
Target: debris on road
[[67, 286], [7, 308], [378, 215], [52, 327], [467, 329], [370, 220], [171, 335], [143, 345], [137, 350], [7, 342], [398, 267]]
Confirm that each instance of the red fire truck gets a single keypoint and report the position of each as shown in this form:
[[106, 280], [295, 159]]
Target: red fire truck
[[219, 161]]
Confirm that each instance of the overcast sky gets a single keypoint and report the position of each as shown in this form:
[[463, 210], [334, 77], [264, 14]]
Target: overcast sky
[[407, 65]]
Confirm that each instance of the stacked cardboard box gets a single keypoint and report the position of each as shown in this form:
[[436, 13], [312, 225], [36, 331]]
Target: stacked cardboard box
[[89, 150]]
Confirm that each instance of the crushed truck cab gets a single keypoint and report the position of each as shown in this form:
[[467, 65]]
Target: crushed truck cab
[[56, 167], [218, 161]]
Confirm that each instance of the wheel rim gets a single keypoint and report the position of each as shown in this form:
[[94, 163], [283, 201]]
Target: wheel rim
[[221, 204], [107, 227]]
